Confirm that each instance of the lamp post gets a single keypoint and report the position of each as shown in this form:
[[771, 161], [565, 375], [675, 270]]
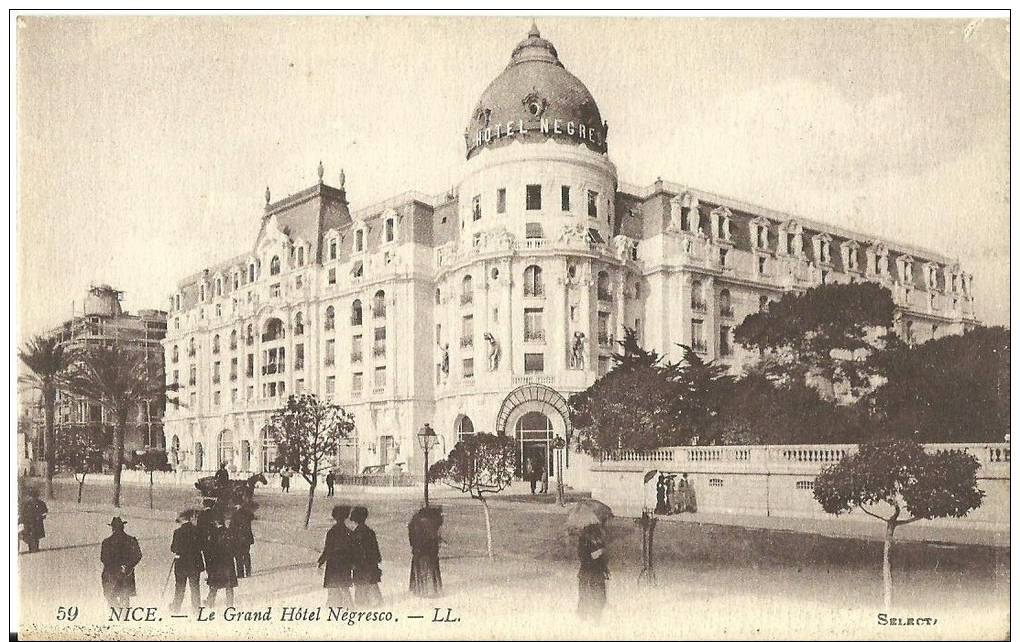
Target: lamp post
[[427, 438], [558, 445]]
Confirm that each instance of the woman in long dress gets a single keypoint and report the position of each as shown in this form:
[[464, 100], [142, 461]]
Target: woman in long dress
[[337, 557], [423, 535], [593, 572]]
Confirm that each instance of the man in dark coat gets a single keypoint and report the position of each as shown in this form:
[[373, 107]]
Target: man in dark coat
[[220, 550], [188, 562], [366, 572], [593, 572], [120, 554], [330, 481], [222, 476], [423, 535], [337, 556], [244, 539], [30, 518]]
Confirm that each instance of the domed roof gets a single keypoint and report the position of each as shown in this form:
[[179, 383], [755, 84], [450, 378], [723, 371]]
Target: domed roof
[[535, 94]]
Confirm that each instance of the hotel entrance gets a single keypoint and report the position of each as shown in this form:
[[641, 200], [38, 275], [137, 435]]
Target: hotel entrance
[[534, 445]]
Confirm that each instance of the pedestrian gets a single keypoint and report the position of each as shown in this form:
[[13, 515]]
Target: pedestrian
[[423, 535], [120, 554], [366, 573], [285, 479], [188, 561], [222, 476], [531, 472], [337, 556], [219, 559], [593, 572], [330, 480], [545, 478], [244, 538], [31, 518], [660, 495]]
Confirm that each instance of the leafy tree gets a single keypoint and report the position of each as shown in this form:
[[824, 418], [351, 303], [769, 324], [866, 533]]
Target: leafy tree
[[480, 464], [79, 451], [897, 482], [122, 380], [308, 433], [153, 459], [48, 361], [826, 332], [952, 389]]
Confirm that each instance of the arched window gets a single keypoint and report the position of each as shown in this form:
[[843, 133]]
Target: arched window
[[533, 281], [725, 303], [191, 347], [330, 318], [219, 286], [251, 273], [274, 330], [466, 290], [602, 285], [199, 456], [175, 354], [464, 427], [250, 336], [216, 344], [233, 339], [356, 314], [268, 451], [225, 448], [379, 305], [274, 266], [301, 256], [299, 324]]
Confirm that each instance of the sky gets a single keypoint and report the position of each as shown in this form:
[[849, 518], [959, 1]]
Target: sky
[[145, 144]]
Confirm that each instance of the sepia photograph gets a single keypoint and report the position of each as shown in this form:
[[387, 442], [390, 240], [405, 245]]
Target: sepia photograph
[[531, 326]]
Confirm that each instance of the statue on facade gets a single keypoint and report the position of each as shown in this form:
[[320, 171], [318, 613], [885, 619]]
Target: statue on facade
[[676, 206], [444, 359], [573, 234], [577, 351], [623, 246], [494, 351]]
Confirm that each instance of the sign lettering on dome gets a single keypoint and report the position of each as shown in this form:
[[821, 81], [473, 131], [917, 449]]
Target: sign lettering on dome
[[546, 127]]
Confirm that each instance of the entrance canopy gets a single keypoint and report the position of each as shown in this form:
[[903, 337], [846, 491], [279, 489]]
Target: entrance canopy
[[531, 395]]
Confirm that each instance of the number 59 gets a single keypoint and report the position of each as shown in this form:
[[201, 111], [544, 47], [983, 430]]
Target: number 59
[[68, 613]]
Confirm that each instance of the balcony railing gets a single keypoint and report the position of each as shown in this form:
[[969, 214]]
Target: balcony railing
[[467, 298], [698, 306], [356, 357], [726, 312], [605, 296], [604, 339], [273, 368], [379, 351], [699, 346], [216, 379], [233, 376], [536, 292], [192, 381], [191, 352], [268, 336], [329, 360], [299, 364], [467, 342]]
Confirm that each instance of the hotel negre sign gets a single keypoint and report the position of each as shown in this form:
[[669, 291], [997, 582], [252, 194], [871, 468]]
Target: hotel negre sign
[[545, 127]]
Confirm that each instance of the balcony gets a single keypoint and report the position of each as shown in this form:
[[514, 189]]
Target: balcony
[[379, 350], [299, 364], [329, 360], [467, 298], [534, 336], [534, 292], [467, 342], [249, 373], [191, 352], [698, 306], [604, 338], [215, 379], [250, 341], [356, 357], [699, 346], [605, 296], [273, 368], [726, 312]]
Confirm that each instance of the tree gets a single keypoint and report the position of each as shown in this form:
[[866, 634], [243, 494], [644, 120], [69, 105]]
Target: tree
[[825, 332], [48, 361], [897, 482], [308, 433], [951, 389], [153, 459], [122, 380], [79, 451], [480, 464]]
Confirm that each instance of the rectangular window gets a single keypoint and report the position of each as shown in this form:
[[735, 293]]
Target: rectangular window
[[698, 336], [380, 377], [330, 386], [331, 278], [725, 348], [467, 331], [299, 356], [469, 368], [233, 395], [332, 250], [593, 204], [603, 329], [439, 333], [330, 352], [722, 256], [356, 354], [761, 265], [389, 230], [233, 369], [251, 392], [476, 207], [534, 362], [357, 382], [501, 200], [250, 366], [565, 198], [533, 230], [534, 197], [299, 386], [379, 345], [216, 398], [359, 241], [533, 325]]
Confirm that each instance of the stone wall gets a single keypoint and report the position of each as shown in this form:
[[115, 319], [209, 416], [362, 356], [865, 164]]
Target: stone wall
[[771, 480]]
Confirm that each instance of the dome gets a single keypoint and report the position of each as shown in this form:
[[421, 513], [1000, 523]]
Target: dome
[[535, 95]]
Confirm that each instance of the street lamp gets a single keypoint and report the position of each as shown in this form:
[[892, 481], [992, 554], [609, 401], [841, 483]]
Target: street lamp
[[558, 445], [427, 438]]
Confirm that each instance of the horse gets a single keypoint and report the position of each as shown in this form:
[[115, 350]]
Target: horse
[[234, 491]]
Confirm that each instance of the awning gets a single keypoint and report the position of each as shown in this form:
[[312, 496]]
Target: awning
[[358, 269], [594, 236]]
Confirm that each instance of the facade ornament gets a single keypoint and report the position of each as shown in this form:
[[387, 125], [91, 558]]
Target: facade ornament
[[573, 234], [320, 171], [577, 351], [494, 351], [267, 195], [343, 178], [444, 359], [623, 246]]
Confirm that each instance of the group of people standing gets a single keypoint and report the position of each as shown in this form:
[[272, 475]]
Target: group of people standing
[[674, 496], [31, 519], [216, 540], [351, 559]]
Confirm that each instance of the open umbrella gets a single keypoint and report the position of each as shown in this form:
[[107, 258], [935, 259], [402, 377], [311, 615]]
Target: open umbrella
[[588, 511]]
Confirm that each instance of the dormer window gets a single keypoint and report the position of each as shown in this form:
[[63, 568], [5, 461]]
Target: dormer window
[[332, 250], [359, 241], [476, 207], [274, 266], [300, 256], [390, 234]]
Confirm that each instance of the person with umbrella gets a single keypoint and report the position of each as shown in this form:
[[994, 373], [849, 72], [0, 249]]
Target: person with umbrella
[[423, 535], [30, 519], [592, 573], [366, 572], [119, 554], [188, 562], [337, 557]]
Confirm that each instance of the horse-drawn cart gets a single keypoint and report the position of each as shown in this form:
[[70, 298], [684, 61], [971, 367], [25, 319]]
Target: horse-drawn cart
[[232, 492]]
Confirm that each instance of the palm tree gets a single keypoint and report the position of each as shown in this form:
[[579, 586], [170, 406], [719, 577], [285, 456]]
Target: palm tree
[[48, 361], [121, 380]]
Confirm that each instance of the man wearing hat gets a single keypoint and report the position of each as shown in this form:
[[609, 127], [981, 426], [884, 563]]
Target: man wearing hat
[[188, 562], [120, 554]]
